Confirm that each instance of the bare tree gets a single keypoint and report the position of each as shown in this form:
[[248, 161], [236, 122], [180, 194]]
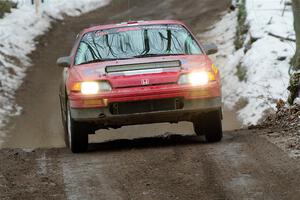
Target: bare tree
[[294, 87], [296, 11]]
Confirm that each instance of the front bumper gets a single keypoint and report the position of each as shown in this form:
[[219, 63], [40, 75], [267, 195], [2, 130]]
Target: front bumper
[[79, 101], [191, 108]]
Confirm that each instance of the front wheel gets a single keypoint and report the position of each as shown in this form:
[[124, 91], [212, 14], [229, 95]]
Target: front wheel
[[209, 125], [77, 136]]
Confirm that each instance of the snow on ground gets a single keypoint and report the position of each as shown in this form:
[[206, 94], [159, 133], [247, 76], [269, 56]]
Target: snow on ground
[[223, 34], [18, 31], [267, 77], [266, 63]]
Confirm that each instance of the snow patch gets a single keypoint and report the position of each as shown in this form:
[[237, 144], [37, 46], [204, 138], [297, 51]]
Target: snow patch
[[266, 62], [18, 31]]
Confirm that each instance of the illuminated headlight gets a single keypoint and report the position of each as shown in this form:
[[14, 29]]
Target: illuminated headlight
[[90, 88], [195, 78]]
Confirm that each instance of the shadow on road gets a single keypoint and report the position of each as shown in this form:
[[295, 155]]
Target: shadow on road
[[145, 143]]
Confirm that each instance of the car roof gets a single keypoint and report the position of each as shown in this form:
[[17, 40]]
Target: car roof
[[131, 23]]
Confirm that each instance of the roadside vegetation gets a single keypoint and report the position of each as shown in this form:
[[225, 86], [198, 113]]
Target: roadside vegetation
[[282, 128], [242, 27], [241, 73], [240, 37], [6, 6]]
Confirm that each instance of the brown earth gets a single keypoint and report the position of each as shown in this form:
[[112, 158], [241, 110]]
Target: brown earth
[[243, 166], [283, 128]]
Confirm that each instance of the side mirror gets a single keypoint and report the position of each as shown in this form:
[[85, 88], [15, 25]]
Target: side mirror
[[210, 48], [64, 61]]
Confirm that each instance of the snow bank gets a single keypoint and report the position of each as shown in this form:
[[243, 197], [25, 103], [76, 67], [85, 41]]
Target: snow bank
[[18, 31], [266, 62]]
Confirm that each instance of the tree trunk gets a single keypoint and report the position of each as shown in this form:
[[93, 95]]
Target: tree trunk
[[296, 11], [295, 62], [37, 6]]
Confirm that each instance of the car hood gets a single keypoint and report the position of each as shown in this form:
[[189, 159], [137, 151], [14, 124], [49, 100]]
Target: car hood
[[163, 70], [97, 71]]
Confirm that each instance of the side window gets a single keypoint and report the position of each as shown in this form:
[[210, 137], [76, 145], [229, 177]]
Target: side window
[[82, 54]]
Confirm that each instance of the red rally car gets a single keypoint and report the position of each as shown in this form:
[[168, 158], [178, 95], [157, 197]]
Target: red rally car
[[139, 73]]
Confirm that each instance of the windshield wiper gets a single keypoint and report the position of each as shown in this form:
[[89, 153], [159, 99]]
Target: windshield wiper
[[102, 60], [154, 55], [139, 56], [92, 61]]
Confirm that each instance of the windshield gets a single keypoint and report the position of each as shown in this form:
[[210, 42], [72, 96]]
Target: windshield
[[137, 41]]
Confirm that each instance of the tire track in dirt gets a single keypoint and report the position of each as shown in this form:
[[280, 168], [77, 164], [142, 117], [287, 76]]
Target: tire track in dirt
[[30, 175], [243, 166]]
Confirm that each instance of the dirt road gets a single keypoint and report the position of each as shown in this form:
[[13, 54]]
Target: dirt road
[[243, 166]]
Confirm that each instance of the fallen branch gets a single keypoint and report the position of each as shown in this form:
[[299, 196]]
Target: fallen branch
[[282, 38]]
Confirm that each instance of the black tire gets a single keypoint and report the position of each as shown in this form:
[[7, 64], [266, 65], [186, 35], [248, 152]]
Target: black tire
[[198, 127], [210, 125], [77, 134], [63, 117]]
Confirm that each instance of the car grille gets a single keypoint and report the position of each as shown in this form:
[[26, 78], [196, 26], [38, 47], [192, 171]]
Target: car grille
[[143, 68], [145, 106]]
